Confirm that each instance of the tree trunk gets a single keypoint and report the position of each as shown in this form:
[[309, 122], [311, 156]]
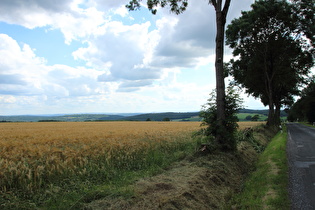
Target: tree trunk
[[271, 114], [220, 85], [277, 114]]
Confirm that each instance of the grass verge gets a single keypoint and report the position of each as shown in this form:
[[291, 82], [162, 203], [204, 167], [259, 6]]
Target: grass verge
[[266, 187], [308, 124]]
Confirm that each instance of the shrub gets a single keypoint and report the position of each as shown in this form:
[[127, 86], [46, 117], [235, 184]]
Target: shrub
[[233, 103]]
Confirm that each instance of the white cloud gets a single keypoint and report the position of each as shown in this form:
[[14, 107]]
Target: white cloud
[[29, 75], [122, 11], [73, 21], [122, 52], [130, 65], [31, 14]]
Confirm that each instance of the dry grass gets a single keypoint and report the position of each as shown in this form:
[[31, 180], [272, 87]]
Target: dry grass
[[248, 124]]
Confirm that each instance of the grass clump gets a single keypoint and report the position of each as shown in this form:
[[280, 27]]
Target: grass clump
[[266, 188]]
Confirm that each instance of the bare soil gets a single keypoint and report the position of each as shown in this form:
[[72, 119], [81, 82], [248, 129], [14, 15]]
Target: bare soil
[[204, 181]]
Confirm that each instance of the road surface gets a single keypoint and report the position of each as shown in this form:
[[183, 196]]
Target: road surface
[[301, 158]]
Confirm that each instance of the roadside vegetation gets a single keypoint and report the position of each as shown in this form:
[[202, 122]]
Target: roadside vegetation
[[60, 165], [266, 188]]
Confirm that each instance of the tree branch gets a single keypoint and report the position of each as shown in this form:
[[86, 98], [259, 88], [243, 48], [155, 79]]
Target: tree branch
[[214, 3], [226, 7]]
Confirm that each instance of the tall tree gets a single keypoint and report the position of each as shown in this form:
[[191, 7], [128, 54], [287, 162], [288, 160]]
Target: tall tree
[[303, 13], [221, 9], [303, 109], [274, 56]]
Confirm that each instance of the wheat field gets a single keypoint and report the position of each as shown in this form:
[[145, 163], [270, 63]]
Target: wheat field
[[34, 154]]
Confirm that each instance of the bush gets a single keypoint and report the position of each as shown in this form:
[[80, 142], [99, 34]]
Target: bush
[[209, 115]]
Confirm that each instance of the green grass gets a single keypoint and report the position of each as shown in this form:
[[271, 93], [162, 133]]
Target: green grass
[[242, 116], [308, 124], [266, 188]]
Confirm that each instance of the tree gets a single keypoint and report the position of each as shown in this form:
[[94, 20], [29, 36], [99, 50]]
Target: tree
[[221, 9], [303, 109], [255, 117], [303, 13], [274, 57], [248, 118], [210, 115]]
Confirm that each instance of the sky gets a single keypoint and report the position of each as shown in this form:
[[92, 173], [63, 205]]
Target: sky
[[94, 56]]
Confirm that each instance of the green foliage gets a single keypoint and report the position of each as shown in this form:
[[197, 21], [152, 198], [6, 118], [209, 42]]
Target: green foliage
[[303, 12], [233, 103], [161, 116], [166, 119], [252, 116], [274, 57], [255, 117], [248, 117], [176, 6], [303, 109]]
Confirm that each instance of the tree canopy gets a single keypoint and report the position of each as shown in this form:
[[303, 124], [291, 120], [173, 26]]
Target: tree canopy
[[303, 109], [273, 54]]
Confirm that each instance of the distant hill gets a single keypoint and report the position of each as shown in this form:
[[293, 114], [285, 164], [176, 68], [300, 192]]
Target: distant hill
[[65, 118], [173, 116], [162, 116]]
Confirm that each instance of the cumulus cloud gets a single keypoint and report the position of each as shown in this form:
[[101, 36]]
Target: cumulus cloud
[[31, 14], [121, 53], [69, 16], [127, 62], [23, 73]]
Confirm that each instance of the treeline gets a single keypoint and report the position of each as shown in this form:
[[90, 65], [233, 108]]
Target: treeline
[[304, 108], [262, 112], [162, 116]]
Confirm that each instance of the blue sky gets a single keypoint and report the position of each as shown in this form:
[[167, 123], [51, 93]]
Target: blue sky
[[93, 56]]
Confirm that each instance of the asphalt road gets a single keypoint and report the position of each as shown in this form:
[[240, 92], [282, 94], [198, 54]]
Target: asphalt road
[[301, 158]]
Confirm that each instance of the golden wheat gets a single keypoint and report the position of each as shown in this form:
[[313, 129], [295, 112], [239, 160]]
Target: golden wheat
[[33, 153]]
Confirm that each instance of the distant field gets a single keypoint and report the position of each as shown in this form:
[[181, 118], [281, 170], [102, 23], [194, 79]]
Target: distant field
[[242, 116]]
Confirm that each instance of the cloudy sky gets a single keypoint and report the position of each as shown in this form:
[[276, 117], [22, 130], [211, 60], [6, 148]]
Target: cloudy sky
[[94, 56]]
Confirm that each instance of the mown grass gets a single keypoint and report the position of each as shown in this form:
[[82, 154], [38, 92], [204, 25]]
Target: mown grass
[[266, 187]]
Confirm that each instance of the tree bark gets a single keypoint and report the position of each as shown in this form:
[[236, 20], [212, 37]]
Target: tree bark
[[220, 85], [271, 114], [277, 113]]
